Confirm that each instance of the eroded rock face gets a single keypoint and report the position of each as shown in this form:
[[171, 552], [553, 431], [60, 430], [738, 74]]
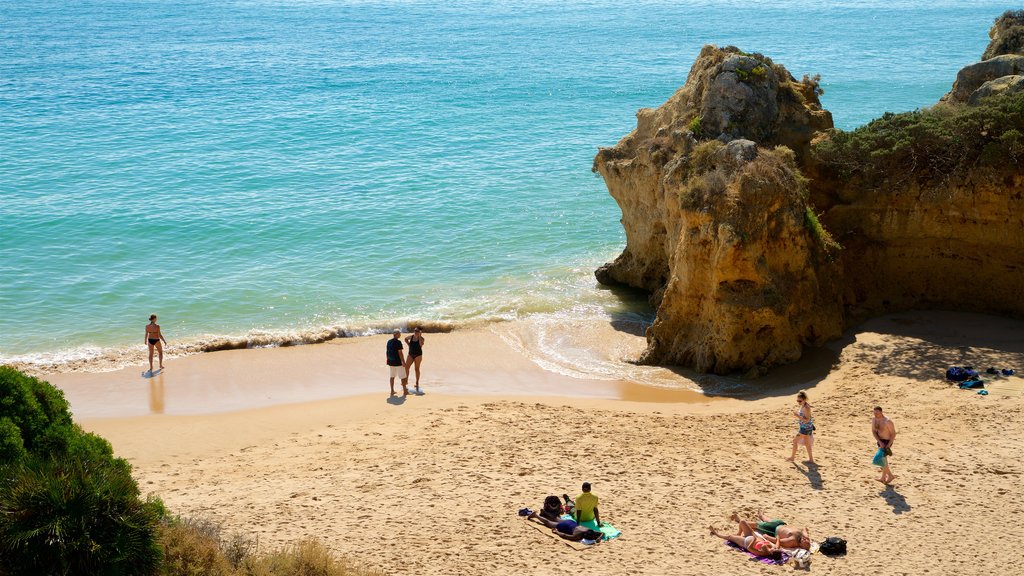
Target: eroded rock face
[[971, 78], [722, 224], [715, 213]]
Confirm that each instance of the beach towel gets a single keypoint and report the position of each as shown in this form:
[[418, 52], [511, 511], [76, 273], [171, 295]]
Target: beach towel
[[607, 529], [761, 559]]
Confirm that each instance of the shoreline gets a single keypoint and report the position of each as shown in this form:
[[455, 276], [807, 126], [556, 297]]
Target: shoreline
[[431, 485]]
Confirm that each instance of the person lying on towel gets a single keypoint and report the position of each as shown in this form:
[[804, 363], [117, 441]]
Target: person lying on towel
[[788, 536], [754, 542], [568, 529]]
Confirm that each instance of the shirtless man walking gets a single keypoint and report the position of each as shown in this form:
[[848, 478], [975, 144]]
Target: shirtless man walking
[[885, 433]]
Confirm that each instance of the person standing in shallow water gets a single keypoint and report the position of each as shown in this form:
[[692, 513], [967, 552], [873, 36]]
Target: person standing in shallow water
[[805, 431], [154, 339], [415, 343], [396, 362]]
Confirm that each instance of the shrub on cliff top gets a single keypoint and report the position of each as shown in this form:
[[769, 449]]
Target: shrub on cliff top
[[931, 147]]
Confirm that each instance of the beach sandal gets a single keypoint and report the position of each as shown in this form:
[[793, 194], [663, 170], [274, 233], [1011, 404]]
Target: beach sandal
[[1007, 372], [982, 392], [525, 512]]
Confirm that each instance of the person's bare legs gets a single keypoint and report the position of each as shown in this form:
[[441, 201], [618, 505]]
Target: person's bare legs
[[734, 538], [796, 443], [416, 363], [887, 475], [808, 442], [392, 382], [160, 349], [549, 523], [150, 358]]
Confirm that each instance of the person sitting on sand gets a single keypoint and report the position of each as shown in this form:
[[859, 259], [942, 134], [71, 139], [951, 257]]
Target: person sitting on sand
[[786, 536], [586, 506], [568, 529], [754, 542], [552, 509]]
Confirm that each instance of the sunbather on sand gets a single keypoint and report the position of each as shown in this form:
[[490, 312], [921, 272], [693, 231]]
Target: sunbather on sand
[[787, 536], [568, 529], [754, 542]]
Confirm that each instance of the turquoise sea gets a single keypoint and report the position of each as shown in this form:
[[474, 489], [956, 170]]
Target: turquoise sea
[[268, 170]]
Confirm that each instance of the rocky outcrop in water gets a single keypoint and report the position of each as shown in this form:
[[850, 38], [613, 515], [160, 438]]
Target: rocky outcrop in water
[[759, 230]]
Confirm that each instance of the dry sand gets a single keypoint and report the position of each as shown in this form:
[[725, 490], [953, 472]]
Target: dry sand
[[274, 444]]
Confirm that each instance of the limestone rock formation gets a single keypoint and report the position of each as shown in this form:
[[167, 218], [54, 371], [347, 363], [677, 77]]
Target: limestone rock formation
[[972, 77], [733, 190], [1004, 85], [717, 218], [1002, 59]]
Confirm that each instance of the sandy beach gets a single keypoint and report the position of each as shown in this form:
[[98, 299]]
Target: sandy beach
[[286, 443]]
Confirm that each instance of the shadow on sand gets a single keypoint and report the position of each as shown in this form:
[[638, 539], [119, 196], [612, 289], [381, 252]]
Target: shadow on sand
[[812, 474], [915, 345], [895, 499], [396, 400]]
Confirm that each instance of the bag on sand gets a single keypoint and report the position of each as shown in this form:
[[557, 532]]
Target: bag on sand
[[833, 546]]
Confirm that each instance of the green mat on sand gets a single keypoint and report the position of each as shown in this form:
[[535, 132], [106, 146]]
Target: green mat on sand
[[607, 529]]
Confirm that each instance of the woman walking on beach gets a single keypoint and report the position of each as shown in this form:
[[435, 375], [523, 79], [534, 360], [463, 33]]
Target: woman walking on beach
[[805, 432], [415, 343], [154, 339]]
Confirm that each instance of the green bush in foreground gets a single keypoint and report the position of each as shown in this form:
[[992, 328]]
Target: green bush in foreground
[[67, 506], [35, 421], [62, 516]]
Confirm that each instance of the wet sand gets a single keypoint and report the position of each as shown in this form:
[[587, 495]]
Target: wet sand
[[287, 443]]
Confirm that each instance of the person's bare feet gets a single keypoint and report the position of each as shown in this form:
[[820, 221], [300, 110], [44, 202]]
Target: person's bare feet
[[790, 459], [713, 531], [735, 517]]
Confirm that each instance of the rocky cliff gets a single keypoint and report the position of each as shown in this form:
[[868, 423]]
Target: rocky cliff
[[759, 230], [718, 223]]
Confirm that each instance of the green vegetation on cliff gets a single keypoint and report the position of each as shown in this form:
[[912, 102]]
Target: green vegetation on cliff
[[931, 147]]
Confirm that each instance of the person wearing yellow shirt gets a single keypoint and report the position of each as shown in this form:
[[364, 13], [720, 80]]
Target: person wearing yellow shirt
[[586, 506]]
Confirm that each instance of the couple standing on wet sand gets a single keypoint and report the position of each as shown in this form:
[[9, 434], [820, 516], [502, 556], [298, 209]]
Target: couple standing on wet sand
[[397, 361]]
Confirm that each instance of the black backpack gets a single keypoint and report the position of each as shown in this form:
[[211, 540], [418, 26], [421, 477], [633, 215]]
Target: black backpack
[[833, 546]]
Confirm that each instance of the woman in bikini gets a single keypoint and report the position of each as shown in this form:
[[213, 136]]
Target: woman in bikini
[[415, 343], [154, 339], [805, 432], [754, 542]]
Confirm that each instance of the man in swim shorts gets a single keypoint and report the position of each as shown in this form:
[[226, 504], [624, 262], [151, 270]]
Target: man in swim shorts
[[884, 432], [396, 362], [787, 536]]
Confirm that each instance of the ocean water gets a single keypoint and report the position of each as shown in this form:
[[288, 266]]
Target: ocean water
[[270, 170]]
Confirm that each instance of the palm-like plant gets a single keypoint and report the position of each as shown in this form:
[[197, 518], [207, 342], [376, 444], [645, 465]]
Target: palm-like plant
[[63, 516]]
